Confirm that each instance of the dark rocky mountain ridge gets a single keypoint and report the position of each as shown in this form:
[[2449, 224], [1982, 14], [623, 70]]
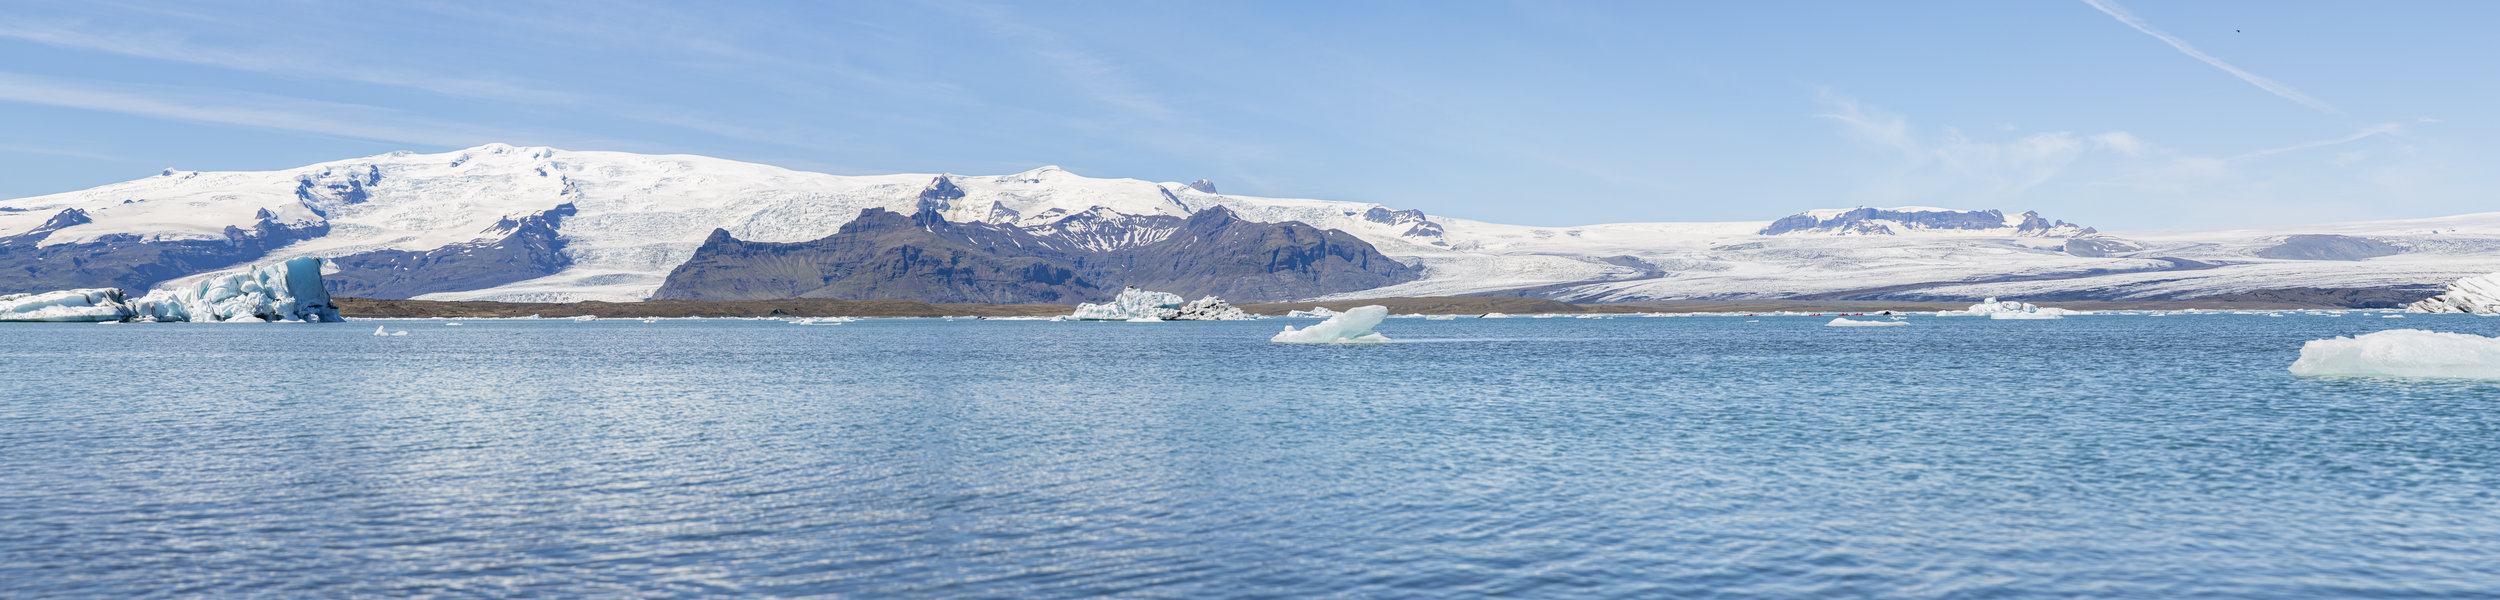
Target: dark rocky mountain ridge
[[887, 255]]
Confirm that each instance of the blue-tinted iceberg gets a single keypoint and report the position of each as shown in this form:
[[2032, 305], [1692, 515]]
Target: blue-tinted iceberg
[[66, 306], [284, 291], [2402, 353], [1350, 327]]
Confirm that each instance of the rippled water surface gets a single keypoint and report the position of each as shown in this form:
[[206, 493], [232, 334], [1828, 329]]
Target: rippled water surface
[[2102, 456]]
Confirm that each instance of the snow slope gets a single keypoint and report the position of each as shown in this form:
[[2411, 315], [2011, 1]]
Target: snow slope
[[641, 215]]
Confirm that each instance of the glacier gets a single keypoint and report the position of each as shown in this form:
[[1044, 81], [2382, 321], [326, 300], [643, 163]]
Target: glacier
[[1135, 304], [2479, 295], [289, 291], [2402, 353], [1354, 326], [66, 306]]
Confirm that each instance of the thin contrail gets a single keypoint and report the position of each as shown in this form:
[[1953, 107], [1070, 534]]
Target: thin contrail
[[2277, 88]]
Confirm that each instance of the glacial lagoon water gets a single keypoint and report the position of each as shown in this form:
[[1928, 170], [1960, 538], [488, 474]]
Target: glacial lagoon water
[[2100, 456]]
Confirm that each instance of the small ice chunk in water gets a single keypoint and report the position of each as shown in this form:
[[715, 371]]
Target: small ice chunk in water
[[1353, 326], [1843, 322], [2402, 353], [97, 304]]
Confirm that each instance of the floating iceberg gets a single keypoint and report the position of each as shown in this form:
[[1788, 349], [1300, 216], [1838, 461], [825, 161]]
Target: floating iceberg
[[1440, 317], [67, 306], [1132, 303], [1135, 304], [1844, 322], [1350, 327], [1493, 315], [1316, 312], [2402, 353], [284, 291], [1991, 308], [2479, 295], [378, 331], [1211, 309]]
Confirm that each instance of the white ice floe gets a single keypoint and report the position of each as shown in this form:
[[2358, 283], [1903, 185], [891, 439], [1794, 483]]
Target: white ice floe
[[1440, 317], [2479, 294], [1494, 315], [2402, 353], [1994, 309], [66, 306], [2392, 317], [1353, 326], [1844, 322], [1316, 312], [380, 331]]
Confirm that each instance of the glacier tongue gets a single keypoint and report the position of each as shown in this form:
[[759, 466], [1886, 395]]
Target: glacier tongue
[[66, 306], [2479, 294], [285, 291]]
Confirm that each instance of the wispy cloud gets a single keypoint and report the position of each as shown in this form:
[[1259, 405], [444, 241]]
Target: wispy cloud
[[204, 105], [1097, 78], [294, 63], [2364, 133], [2277, 88], [1952, 167]]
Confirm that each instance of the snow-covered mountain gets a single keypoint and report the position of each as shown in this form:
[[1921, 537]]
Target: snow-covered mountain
[[512, 223]]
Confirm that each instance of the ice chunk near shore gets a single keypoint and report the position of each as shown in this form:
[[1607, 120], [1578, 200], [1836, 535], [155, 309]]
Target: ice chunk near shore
[[66, 306], [1353, 326], [1844, 322], [1137, 305], [285, 291], [380, 331], [1211, 308], [2479, 295], [1132, 303], [2402, 353], [1992, 308]]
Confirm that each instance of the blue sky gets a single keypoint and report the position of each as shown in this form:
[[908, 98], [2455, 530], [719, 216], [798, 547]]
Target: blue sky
[[2118, 115]]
